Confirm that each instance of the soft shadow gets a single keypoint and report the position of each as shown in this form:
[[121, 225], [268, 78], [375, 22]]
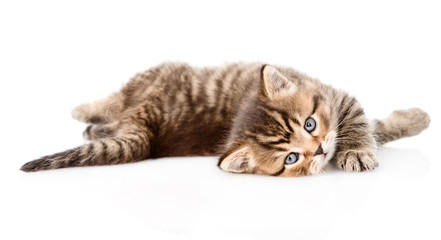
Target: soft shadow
[[397, 163], [403, 163]]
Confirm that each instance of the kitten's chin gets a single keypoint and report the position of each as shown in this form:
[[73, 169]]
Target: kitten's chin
[[319, 163], [329, 154]]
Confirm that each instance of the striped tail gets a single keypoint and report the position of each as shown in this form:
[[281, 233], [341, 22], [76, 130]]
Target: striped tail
[[401, 123], [109, 151]]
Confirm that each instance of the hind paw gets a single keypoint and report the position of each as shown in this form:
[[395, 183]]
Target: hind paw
[[80, 112], [85, 113]]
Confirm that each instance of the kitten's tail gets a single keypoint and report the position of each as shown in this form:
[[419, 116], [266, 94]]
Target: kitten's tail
[[103, 152], [399, 124]]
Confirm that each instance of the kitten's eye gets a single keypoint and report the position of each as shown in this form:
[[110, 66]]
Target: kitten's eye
[[292, 158], [310, 124]]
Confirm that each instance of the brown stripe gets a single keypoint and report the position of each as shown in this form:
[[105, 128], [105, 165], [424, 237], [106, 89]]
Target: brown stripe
[[282, 140], [279, 172], [357, 113], [125, 152], [76, 159], [104, 153], [120, 151], [264, 144], [89, 148], [346, 112], [285, 119], [359, 125], [283, 114], [220, 86], [271, 147], [316, 100], [341, 105]]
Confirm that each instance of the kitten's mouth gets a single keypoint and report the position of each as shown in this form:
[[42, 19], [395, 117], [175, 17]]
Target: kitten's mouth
[[325, 156], [320, 162]]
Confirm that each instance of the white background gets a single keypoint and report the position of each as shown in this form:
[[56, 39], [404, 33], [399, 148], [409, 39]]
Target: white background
[[55, 55]]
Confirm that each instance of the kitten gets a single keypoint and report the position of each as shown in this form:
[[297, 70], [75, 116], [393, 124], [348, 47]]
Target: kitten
[[261, 119]]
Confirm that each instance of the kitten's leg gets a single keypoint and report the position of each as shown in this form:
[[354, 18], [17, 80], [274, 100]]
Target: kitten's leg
[[130, 145], [356, 145], [101, 111], [402, 123]]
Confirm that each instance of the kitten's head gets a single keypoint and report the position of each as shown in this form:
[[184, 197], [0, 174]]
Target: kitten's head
[[287, 129]]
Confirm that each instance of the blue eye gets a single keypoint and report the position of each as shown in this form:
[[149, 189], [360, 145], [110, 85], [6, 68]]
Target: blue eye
[[291, 158], [310, 124]]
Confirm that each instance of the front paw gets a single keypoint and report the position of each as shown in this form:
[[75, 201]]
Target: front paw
[[356, 160]]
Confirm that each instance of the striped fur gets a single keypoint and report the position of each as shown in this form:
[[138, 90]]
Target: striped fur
[[251, 114]]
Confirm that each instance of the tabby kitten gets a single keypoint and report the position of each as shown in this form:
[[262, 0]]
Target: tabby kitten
[[261, 119]]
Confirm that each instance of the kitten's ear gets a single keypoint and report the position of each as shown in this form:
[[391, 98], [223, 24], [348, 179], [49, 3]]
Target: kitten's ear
[[238, 161], [273, 82]]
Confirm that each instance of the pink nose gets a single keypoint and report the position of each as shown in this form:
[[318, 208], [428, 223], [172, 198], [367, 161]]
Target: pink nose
[[319, 150]]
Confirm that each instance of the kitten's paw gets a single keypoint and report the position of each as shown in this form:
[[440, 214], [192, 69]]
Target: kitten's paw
[[80, 112], [356, 160], [87, 113], [411, 122]]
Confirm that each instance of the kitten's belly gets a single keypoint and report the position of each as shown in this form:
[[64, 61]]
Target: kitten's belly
[[193, 139]]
